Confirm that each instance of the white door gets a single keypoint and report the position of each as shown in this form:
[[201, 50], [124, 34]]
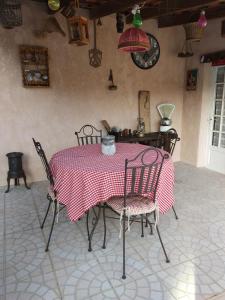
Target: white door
[[217, 136]]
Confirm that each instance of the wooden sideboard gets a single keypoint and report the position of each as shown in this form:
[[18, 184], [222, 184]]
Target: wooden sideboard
[[156, 139]]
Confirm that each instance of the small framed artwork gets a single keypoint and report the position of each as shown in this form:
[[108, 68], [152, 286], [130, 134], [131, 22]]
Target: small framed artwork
[[34, 65], [192, 76]]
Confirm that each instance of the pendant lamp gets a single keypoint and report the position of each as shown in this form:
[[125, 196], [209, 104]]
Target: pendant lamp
[[134, 39]]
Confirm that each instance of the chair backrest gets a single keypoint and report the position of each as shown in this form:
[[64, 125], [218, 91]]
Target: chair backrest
[[88, 134], [142, 173], [172, 136], [44, 161]]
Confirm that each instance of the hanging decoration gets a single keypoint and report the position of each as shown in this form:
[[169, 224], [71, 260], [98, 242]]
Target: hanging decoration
[[193, 33], [99, 23], [95, 55], [54, 4], [202, 21], [112, 86], [78, 28], [120, 20], [134, 39], [69, 10], [186, 50], [10, 13]]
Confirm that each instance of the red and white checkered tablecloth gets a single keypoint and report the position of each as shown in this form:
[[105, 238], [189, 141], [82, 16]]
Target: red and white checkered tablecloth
[[84, 177]]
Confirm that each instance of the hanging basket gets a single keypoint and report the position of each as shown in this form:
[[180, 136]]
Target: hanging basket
[[193, 32]]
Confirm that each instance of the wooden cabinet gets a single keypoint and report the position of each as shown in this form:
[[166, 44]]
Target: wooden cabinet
[[156, 139]]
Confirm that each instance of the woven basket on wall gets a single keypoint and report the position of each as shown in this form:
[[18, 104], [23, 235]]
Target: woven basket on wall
[[194, 33]]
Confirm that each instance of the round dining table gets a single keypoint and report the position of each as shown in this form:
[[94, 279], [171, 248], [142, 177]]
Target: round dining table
[[84, 176]]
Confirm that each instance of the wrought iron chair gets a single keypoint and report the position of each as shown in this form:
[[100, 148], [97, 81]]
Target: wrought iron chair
[[88, 134], [167, 141], [172, 136], [141, 178], [51, 195]]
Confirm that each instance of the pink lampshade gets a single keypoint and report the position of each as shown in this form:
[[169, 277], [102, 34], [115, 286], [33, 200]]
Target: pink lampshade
[[202, 21], [134, 40]]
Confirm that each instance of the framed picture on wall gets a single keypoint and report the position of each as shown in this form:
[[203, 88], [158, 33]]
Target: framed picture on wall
[[191, 83], [34, 65]]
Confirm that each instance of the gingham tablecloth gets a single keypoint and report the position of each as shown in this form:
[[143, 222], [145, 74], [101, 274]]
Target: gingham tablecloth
[[84, 177]]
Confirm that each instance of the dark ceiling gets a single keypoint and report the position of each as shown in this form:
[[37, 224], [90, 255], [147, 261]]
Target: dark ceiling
[[167, 12]]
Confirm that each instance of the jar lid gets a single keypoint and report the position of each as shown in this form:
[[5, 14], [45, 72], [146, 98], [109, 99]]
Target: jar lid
[[108, 137]]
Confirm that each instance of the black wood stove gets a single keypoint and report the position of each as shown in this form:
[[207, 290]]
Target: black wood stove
[[15, 169]]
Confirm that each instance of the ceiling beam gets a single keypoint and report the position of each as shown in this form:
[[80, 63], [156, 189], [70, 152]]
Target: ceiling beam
[[112, 7], [189, 17], [173, 6]]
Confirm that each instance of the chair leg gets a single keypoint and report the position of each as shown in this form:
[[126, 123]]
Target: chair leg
[[49, 205], [150, 224], [124, 232], [146, 222], [167, 259], [142, 226], [176, 217], [53, 222], [87, 224], [95, 222], [104, 228]]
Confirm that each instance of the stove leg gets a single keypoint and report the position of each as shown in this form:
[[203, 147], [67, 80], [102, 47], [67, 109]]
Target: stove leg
[[8, 183], [25, 182]]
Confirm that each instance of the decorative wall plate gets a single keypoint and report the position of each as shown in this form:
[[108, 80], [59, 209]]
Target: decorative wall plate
[[147, 60]]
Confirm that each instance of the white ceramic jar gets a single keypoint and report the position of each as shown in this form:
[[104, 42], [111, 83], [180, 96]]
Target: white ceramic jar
[[108, 145]]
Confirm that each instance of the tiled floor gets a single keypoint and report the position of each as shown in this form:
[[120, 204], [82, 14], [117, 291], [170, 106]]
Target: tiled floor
[[195, 244]]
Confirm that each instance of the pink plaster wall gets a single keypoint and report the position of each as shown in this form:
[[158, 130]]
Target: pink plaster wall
[[197, 104], [78, 93]]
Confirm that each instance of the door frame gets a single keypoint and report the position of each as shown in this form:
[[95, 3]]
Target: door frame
[[211, 115]]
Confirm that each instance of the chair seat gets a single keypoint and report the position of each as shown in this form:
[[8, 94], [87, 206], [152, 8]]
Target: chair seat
[[135, 205]]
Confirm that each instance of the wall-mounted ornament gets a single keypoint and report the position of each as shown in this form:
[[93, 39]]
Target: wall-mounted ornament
[[144, 109], [10, 13], [146, 60], [112, 86], [223, 29], [51, 25], [95, 55], [191, 83], [34, 64]]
